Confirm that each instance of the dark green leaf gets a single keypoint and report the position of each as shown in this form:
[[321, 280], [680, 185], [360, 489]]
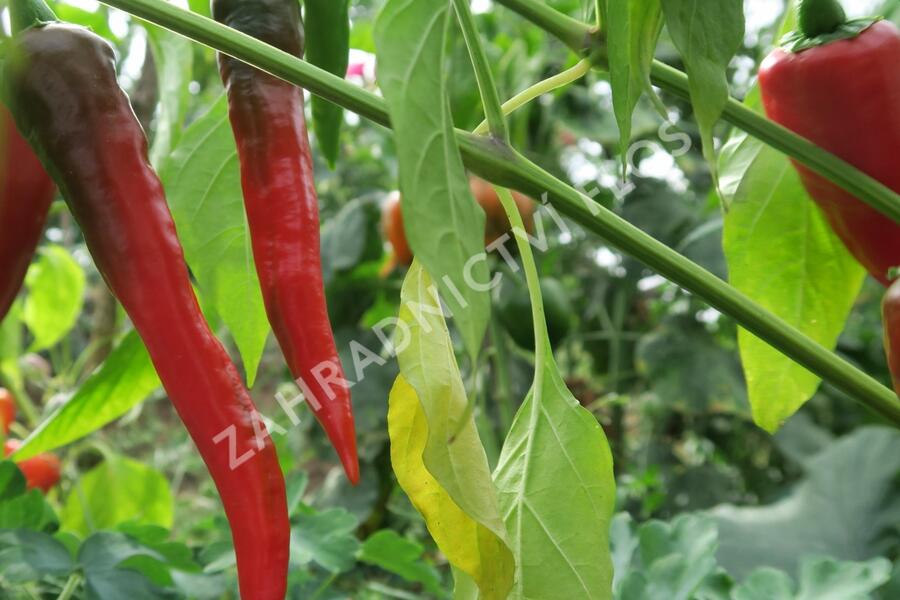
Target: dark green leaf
[[29, 555], [327, 28]]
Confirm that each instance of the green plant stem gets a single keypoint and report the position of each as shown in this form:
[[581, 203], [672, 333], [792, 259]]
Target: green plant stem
[[541, 337], [820, 17], [539, 89], [870, 190], [29, 13], [503, 396], [500, 164], [490, 99], [867, 189], [71, 587]]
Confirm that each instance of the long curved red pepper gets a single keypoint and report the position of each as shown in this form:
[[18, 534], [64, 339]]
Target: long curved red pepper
[[283, 213], [26, 192], [844, 95], [890, 313], [62, 82]]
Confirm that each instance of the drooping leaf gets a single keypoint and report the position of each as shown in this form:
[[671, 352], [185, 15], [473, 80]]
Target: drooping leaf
[[808, 278], [401, 556], [118, 490], [842, 509], [634, 28], [707, 34], [124, 380], [49, 314], [447, 478], [171, 55], [202, 181], [327, 32], [444, 224]]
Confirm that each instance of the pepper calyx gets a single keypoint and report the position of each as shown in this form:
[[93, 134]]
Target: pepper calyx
[[797, 41]]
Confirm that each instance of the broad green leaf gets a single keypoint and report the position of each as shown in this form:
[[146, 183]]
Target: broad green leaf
[[844, 508], [707, 34], [634, 28], [478, 552], [202, 180], [55, 285], [444, 224], [30, 556], [327, 27], [117, 490], [326, 538], [447, 478], [172, 56], [124, 380], [561, 547], [401, 556], [808, 278]]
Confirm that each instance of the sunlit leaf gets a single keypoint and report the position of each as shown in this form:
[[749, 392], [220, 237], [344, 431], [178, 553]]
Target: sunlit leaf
[[55, 285], [124, 380], [117, 490]]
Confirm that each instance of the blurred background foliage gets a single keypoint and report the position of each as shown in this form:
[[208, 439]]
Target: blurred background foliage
[[711, 506]]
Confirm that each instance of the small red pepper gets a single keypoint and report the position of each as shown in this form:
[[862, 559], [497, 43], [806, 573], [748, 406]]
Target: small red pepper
[[41, 472], [61, 82], [839, 86], [26, 192], [283, 213]]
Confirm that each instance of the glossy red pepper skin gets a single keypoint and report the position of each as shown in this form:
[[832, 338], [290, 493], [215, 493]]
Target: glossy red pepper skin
[[890, 313], [283, 214], [62, 83], [844, 96], [26, 192]]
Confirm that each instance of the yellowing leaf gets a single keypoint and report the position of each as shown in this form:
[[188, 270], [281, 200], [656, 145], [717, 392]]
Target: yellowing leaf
[[437, 454]]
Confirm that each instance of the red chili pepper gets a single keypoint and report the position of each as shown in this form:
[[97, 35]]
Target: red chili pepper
[[7, 411], [283, 213], [840, 88], [890, 312], [26, 192], [41, 471], [62, 83]]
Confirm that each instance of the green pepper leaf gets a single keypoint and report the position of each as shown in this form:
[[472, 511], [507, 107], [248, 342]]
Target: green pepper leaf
[[202, 181], [401, 556], [327, 31], [444, 224], [708, 35], [809, 278]]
